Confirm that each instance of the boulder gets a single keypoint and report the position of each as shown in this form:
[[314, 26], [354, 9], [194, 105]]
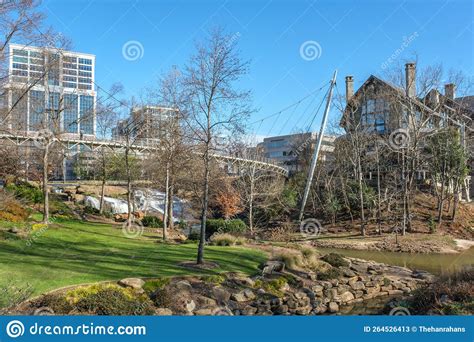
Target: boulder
[[245, 281], [248, 311], [358, 285], [183, 285], [163, 312], [205, 301], [204, 311], [281, 309], [135, 283], [220, 294], [395, 292], [333, 307], [346, 297], [273, 266], [190, 306], [243, 296]]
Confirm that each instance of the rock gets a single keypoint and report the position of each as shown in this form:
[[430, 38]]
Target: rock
[[303, 311], [190, 306], [358, 285], [372, 289], [352, 280], [395, 292], [204, 311], [317, 288], [273, 266], [239, 297], [359, 268], [163, 312], [222, 311], [243, 296], [326, 284], [320, 309], [205, 301], [300, 295], [343, 288], [134, 283], [248, 310], [183, 285], [220, 294], [346, 297], [347, 272], [281, 309], [13, 230], [406, 289], [359, 293], [245, 281], [333, 307], [249, 294], [292, 304]]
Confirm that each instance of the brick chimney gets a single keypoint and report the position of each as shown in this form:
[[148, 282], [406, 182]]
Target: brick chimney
[[410, 73], [450, 90], [349, 87]]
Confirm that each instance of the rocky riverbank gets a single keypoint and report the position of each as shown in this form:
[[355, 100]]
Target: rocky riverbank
[[276, 292], [413, 243]]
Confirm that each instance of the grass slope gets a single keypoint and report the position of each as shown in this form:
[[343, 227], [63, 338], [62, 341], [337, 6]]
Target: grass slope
[[73, 252]]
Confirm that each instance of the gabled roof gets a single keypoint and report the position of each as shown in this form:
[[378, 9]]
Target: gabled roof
[[398, 92], [464, 105]]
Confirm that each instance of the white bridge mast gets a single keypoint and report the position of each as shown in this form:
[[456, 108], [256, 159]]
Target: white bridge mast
[[318, 147]]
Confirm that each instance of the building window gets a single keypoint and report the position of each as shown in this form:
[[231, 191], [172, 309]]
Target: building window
[[70, 113], [37, 107], [85, 61], [86, 112], [374, 114], [277, 143]]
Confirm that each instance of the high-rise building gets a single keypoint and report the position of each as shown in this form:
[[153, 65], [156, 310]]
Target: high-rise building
[[146, 124], [51, 89]]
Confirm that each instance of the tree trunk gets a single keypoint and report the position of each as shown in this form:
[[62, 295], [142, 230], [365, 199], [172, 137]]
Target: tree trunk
[[205, 204], [170, 205], [361, 199], [45, 184], [102, 189], [251, 196], [129, 186], [165, 209]]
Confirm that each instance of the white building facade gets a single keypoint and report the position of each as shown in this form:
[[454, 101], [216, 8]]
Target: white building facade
[[51, 87]]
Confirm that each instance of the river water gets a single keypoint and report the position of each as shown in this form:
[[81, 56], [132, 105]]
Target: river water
[[434, 263]]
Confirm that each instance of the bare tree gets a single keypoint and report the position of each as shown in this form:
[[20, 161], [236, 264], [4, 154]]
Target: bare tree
[[215, 104], [106, 119]]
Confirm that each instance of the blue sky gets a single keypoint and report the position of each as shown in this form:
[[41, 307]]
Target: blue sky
[[355, 37]]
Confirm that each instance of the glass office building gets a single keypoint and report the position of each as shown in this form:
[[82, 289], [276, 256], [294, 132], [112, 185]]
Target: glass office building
[[51, 88]]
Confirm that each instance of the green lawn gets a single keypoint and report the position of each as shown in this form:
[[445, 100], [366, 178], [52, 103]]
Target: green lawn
[[73, 252]]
